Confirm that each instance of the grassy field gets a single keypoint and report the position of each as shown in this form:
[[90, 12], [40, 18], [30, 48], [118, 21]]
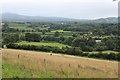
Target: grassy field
[[31, 64], [54, 44], [41, 28], [60, 31], [64, 33], [19, 27], [107, 51], [22, 28]]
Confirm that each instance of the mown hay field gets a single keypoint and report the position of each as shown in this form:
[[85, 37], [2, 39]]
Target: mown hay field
[[31, 64]]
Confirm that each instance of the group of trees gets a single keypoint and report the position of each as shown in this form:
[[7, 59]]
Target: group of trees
[[67, 50], [10, 38], [96, 29], [85, 44], [78, 43], [33, 37]]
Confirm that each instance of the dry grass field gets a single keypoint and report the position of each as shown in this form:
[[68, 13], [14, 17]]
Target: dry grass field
[[31, 64]]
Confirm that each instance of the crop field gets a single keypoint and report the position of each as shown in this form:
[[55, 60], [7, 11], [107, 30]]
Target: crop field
[[31, 64], [54, 44], [19, 27]]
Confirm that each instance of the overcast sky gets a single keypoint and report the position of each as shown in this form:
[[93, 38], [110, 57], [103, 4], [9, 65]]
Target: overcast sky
[[79, 9]]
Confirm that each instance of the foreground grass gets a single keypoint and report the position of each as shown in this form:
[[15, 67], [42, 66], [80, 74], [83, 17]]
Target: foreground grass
[[54, 44], [19, 71], [31, 64], [13, 71]]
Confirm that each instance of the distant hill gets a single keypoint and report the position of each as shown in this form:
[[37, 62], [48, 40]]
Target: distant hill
[[11, 17], [107, 20]]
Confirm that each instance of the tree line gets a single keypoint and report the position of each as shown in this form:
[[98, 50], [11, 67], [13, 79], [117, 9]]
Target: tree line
[[88, 44], [67, 50]]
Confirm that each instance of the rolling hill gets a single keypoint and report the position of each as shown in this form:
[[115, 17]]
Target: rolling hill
[[32, 64], [12, 17]]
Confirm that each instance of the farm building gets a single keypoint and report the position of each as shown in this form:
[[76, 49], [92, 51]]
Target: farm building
[[97, 40]]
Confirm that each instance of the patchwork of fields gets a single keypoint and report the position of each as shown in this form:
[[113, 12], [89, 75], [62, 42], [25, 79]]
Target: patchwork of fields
[[59, 41], [31, 64]]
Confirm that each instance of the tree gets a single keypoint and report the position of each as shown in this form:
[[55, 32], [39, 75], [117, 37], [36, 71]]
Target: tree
[[43, 32], [56, 34], [74, 35], [91, 42], [76, 42], [110, 43], [61, 39], [87, 48], [100, 46], [10, 38], [32, 37], [68, 41], [79, 42]]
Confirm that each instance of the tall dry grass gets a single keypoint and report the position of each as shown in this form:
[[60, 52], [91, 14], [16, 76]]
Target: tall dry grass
[[59, 66]]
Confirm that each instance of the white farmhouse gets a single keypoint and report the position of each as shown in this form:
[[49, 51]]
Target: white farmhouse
[[97, 40]]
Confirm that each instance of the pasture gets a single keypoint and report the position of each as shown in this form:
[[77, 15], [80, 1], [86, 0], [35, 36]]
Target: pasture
[[22, 28], [54, 44], [31, 64], [60, 31], [19, 26], [106, 52]]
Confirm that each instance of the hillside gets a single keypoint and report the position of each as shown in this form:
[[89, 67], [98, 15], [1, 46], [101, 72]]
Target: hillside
[[31, 64], [11, 17]]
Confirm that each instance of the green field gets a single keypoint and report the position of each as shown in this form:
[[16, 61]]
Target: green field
[[60, 31], [106, 52], [41, 28], [54, 44], [19, 27]]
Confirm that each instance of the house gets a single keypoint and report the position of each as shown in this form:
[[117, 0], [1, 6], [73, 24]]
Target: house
[[97, 40]]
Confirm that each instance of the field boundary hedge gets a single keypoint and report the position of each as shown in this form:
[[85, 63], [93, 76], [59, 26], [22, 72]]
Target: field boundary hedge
[[67, 50]]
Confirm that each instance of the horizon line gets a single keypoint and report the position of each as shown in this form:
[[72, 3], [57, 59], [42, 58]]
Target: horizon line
[[57, 16]]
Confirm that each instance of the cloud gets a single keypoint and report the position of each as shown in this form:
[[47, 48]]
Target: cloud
[[62, 8], [52, 1]]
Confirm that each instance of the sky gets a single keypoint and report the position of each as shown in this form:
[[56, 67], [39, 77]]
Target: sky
[[77, 9]]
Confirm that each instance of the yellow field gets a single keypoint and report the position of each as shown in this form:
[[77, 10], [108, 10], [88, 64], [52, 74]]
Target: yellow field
[[41, 64]]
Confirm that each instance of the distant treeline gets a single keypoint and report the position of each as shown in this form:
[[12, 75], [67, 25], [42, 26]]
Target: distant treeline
[[82, 39], [67, 50], [84, 43], [96, 29]]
